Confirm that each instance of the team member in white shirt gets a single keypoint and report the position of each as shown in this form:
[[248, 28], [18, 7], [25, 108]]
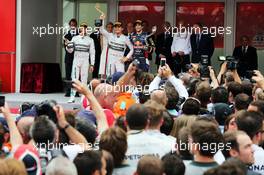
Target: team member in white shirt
[[155, 113], [104, 44], [117, 44], [181, 48], [83, 47], [139, 142]]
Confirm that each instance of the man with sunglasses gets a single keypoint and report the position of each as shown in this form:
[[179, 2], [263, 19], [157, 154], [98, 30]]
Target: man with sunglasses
[[117, 44]]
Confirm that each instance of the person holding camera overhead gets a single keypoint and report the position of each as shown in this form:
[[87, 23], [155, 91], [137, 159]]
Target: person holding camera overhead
[[83, 47], [117, 44], [247, 57]]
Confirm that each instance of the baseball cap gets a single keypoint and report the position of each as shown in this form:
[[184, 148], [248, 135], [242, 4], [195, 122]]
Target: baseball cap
[[138, 22], [30, 157], [84, 24], [222, 111], [117, 24], [88, 116], [116, 76]]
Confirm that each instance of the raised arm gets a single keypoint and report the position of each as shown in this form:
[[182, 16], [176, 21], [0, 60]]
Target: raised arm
[[15, 137], [177, 83], [124, 80], [102, 29], [154, 85], [74, 135], [258, 77], [96, 107], [221, 72], [236, 76], [214, 83]]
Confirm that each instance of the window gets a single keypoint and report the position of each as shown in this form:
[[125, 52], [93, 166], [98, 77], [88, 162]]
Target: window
[[152, 12], [88, 13], [250, 22], [210, 14]]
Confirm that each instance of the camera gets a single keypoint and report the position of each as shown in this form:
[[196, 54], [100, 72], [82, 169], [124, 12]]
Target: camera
[[2, 101], [162, 62], [98, 22], [250, 74], [26, 106], [203, 67], [46, 108], [232, 62]]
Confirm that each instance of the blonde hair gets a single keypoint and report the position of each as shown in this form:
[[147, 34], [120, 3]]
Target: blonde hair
[[12, 167], [180, 122]]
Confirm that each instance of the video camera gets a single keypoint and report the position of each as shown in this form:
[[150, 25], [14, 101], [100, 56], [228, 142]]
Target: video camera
[[203, 67], [232, 62]]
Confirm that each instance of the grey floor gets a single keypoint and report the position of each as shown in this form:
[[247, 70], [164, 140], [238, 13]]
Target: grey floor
[[14, 100]]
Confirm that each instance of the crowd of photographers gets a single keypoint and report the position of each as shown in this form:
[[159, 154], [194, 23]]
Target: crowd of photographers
[[195, 122], [178, 125]]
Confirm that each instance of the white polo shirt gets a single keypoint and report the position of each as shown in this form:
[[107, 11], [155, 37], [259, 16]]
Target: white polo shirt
[[181, 42], [258, 166], [140, 143]]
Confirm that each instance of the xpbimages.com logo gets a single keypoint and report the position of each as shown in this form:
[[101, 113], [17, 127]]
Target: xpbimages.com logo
[[212, 30], [41, 31]]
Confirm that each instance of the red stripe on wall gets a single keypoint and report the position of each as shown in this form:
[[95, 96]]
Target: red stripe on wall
[[7, 72], [8, 45], [8, 25]]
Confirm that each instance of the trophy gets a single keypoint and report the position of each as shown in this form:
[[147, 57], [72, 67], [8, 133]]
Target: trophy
[[148, 42], [98, 22]]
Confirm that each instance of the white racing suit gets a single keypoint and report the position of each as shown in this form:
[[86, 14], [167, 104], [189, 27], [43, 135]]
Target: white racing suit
[[115, 51], [102, 69], [83, 47]]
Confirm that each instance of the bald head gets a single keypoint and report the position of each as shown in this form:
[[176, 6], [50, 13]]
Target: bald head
[[159, 96], [103, 89], [105, 95]]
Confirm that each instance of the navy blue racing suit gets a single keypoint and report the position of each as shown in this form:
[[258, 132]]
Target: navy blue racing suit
[[141, 44]]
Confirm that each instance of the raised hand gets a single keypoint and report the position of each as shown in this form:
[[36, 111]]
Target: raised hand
[[81, 88], [166, 71], [5, 110], [62, 122]]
